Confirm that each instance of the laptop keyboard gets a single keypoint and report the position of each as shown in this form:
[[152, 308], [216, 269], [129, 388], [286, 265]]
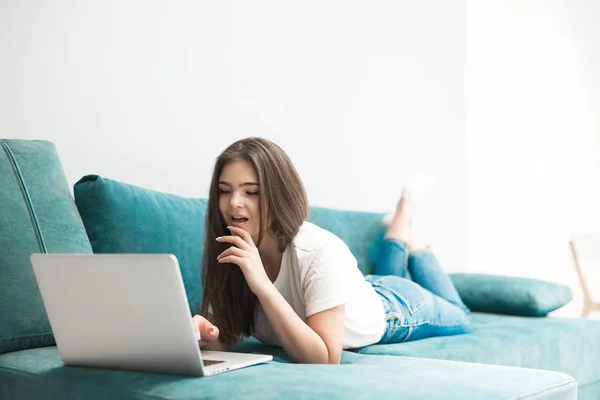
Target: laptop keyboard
[[211, 362]]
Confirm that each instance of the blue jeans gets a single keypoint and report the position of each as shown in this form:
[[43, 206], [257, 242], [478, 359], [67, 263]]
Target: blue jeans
[[426, 306]]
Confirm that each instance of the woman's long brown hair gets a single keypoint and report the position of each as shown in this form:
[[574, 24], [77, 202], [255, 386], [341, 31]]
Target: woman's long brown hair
[[232, 304]]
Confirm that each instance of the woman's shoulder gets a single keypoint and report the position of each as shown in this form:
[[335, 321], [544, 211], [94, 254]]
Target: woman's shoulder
[[316, 249], [312, 238]]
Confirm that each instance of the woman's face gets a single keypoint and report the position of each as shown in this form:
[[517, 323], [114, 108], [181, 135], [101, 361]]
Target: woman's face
[[239, 197]]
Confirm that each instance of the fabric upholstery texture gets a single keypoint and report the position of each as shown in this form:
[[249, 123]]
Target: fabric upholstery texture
[[37, 215], [559, 344], [124, 218], [589, 391], [510, 295], [40, 374]]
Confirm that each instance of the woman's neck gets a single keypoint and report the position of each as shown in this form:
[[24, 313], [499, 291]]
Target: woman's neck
[[270, 256]]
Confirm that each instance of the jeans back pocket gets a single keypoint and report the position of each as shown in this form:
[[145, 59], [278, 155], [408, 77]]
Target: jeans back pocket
[[411, 296]]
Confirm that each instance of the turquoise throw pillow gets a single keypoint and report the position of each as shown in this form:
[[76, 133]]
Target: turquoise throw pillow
[[510, 295], [123, 218], [37, 215]]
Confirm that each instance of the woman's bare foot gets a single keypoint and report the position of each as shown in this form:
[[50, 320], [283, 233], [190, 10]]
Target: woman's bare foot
[[405, 208], [412, 192], [400, 225]]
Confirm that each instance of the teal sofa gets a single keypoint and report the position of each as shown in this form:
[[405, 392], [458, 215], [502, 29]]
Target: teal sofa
[[505, 357]]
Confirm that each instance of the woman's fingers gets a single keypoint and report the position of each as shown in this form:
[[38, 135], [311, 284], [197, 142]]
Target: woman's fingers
[[206, 331], [232, 251], [239, 261], [210, 334], [236, 240], [243, 240], [242, 233]]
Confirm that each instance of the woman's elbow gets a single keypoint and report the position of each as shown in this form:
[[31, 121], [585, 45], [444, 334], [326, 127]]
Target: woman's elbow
[[328, 361], [334, 358], [322, 359]]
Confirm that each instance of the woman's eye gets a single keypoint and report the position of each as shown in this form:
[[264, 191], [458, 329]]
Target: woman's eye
[[221, 191], [252, 193]]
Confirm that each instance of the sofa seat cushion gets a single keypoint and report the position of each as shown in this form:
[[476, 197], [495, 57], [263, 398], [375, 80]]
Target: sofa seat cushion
[[559, 344], [40, 374]]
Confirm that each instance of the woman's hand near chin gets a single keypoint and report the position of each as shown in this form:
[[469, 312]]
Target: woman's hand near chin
[[245, 255]]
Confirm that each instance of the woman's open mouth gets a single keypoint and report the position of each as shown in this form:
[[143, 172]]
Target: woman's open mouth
[[239, 221]]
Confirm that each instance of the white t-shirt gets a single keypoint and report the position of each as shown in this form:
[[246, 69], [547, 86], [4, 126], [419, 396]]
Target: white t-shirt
[[318, 272]]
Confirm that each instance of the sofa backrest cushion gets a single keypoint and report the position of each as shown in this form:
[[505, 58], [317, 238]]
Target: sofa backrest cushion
[[37, 215], [123, 218]]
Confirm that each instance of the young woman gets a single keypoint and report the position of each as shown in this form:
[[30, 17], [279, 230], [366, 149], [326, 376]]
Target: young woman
[[269, 273]]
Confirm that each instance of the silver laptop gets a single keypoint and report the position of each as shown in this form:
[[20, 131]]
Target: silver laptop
[[126, 311]]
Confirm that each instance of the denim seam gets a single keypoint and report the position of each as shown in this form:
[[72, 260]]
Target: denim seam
[[403, 244], [412, 326], [390, 332], [411, 309], [410, 330], [377, 282], [417, 252], [386, 306], [392, 314], [437, 325]]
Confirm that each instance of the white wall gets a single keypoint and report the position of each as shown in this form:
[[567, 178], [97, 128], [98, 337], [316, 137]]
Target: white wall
[[533, 135], [360, 94]]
